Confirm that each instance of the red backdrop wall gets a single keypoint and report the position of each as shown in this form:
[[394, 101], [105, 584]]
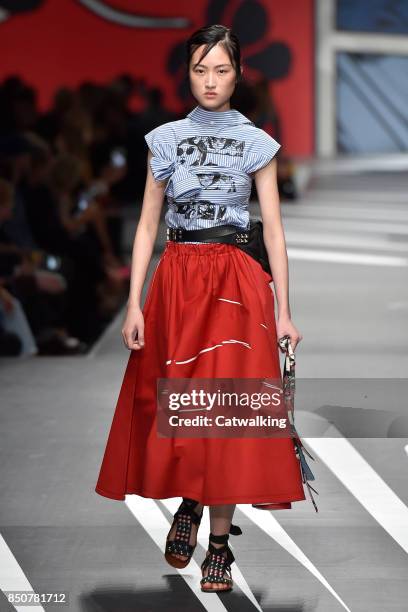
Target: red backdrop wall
[[53, 43]]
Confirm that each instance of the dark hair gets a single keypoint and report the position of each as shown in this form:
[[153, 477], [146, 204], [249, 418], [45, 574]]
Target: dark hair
[[210, 36]]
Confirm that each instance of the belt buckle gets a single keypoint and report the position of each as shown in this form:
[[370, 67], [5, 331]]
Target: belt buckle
[[241, 237], [174, 233]]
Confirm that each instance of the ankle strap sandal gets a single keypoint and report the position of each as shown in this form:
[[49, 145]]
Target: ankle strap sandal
[[180, 545], [218, 564]]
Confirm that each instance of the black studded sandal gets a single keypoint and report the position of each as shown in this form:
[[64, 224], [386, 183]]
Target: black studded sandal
[[217, 563], [180, 545]]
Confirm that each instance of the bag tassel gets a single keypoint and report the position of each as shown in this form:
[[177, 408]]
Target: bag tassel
[[288, 378], [307, 473]]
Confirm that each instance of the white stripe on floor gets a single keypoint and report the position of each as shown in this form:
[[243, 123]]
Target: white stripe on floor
[[12, 577], [346, 257], [337, 210], [339, 240], [363, 482], [268, 523], [324, 224], [387, 198]]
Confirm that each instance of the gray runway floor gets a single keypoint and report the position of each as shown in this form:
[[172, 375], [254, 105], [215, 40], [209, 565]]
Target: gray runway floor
[[348, 249]]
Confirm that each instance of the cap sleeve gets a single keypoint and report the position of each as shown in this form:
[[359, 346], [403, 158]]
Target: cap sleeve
[[161, 142], [263, 149]]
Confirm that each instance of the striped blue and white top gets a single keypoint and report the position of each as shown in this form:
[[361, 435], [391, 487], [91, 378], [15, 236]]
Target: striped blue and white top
[[209, 157]]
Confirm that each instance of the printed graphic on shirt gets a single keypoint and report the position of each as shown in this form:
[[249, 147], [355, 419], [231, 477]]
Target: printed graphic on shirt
[[197, 148], [217, 181], [201, 210]]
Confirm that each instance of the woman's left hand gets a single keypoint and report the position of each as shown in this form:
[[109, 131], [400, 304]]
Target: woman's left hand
[[285, 327]]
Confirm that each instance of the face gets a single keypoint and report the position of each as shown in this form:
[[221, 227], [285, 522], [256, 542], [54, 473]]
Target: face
[[214, 74]]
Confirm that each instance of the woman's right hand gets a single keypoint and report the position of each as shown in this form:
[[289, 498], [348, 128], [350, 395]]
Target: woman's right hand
[[133, 329]]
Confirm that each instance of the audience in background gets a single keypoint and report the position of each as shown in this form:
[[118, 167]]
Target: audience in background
[[65, 176]]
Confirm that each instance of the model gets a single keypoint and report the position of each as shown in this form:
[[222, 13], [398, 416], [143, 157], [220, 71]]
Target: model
[[208, 313]]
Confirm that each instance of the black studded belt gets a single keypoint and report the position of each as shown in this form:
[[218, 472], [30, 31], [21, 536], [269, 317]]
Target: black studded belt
[[250, 240], [221, 233]]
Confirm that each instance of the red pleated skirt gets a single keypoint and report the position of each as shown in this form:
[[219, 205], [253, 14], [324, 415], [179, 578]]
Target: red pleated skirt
[[209, 313]]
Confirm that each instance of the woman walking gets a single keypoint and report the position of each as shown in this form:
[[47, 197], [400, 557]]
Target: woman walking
[[209, 313]]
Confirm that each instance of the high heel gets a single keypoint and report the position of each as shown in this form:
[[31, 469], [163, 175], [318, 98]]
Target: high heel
[[218, 564], [180, 545]]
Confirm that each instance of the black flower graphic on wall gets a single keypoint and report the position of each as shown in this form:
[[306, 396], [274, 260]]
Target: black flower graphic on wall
[[250, 22], [13, 7]]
